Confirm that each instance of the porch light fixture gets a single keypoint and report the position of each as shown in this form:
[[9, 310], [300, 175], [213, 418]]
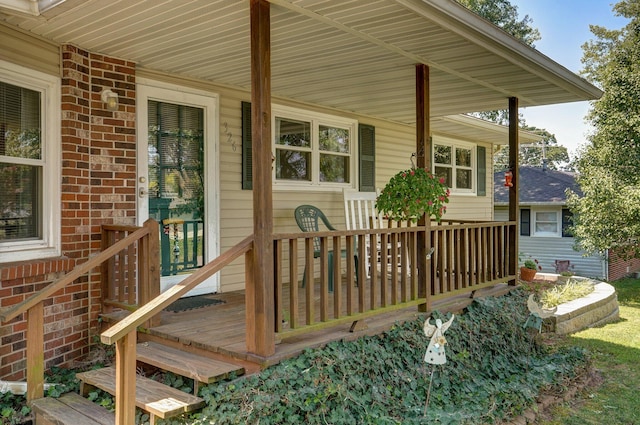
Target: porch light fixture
[[110, 99]]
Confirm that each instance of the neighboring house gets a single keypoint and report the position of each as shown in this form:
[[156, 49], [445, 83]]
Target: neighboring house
[[175, 144], [545, 219]]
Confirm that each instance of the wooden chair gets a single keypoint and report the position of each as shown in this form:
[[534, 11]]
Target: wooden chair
[[308, 219], [360, 214]]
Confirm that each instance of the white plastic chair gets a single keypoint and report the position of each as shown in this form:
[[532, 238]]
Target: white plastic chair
[[360, 214]]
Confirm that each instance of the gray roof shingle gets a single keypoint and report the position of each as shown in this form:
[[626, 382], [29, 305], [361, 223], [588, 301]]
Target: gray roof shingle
[[537, 186]]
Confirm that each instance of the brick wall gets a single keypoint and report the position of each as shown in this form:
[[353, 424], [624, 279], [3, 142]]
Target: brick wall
[[98, 186], [619, 268]]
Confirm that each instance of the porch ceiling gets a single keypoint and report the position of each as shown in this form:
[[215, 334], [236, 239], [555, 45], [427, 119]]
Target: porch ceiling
[[353, 55]]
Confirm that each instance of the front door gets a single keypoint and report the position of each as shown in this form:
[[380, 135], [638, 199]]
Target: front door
[[177, 179]]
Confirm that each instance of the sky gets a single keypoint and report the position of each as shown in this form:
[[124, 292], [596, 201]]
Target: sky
[[564, 27]]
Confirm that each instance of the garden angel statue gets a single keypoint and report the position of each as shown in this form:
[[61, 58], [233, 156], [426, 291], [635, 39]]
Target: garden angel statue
[[435, 350]]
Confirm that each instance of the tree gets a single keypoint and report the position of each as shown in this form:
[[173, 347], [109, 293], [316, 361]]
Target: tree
[[608, 215], [535, 154], [505, 15]]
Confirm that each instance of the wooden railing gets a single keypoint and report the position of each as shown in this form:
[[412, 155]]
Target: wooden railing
[[469, 256], [123, 333], [344, 291], [33, 307], [313, 292], [131, 277]]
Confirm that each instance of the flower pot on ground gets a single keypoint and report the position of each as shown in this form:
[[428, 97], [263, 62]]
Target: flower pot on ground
[[527, 274], [529, 266]]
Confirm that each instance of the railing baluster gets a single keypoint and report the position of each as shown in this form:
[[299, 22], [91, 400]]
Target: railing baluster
[[293, 283], [351, 272], [324, 277], [337, 276], [131, 274], [309, 279], [277, 278], [362, 252]]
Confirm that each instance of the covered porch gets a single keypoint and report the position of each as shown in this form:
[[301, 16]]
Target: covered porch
[[398, 63], [312, 308]]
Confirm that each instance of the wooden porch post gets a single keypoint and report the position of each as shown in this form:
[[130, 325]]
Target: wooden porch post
[[259, 291], [423, 157], [514, 191]]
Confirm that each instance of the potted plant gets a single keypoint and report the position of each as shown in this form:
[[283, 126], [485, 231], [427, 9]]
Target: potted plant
[[412, 193], [529, 267]]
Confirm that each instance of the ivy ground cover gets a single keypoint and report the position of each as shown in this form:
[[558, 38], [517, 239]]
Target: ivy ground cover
[[495, 369]]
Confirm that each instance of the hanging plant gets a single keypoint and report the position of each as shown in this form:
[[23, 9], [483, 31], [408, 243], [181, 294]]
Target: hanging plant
[[412, 193]]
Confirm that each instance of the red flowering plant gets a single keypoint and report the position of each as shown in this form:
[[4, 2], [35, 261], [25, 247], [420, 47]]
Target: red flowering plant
[[412, 193]]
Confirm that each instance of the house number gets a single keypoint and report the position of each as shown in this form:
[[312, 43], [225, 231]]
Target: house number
[[229, 136]]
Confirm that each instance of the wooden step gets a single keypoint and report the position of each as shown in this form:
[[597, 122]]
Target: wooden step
[[70, 409], [154, 397], [199, 368]]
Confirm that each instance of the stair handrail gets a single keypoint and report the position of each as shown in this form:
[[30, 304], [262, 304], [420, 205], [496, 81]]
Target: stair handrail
[[8, 313], [157, 304]]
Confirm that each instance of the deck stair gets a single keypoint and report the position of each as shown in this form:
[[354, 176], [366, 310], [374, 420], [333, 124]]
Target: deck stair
[[70, 408], [159, 400], [200, 369]]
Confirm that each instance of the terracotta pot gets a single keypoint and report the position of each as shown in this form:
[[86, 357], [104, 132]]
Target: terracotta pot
[[527, 274]]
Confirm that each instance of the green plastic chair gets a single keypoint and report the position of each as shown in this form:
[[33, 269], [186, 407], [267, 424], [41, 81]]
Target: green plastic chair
[[308, 219]]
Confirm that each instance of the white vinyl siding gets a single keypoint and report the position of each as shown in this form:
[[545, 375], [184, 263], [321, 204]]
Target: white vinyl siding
[[395, 144]]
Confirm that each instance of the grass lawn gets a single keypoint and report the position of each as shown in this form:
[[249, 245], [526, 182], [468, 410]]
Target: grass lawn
[[616, 353]]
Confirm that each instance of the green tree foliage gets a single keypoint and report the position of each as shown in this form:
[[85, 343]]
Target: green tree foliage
[[533, 154], [505, 15], [608, 215]]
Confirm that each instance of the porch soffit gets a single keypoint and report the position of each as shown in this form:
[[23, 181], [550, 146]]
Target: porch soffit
[[353, 55]]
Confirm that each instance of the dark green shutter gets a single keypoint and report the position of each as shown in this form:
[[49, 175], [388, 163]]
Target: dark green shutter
[[525, 222], [482, 171], [367, 157], [567, 221], [247, 154]]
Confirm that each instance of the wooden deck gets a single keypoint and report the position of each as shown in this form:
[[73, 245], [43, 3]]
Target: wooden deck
[[219, 330]]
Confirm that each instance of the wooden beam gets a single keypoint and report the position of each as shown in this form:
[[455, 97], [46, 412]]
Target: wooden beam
[[514, 191], [126, 379], [423, 157], [260, 315], [35, 352]]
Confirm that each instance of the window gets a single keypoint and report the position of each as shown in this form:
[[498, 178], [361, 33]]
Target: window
[[313, 150], [455, 163], [546, 223], [29, 135]]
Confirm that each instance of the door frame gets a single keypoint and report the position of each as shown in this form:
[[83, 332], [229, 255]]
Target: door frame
[[148, 89]]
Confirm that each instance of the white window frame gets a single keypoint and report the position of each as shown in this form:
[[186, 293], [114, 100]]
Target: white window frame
[[453, 144], [49, 88], [316, 120], [534, 222]]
